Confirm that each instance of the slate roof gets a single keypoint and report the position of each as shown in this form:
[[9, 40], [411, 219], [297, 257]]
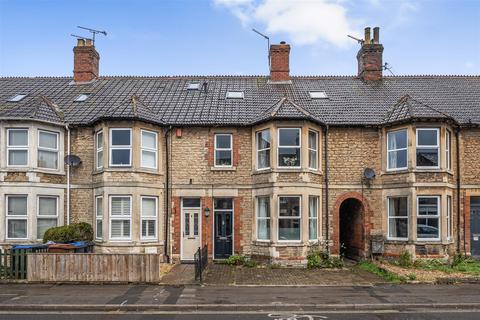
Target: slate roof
[[166, 100]]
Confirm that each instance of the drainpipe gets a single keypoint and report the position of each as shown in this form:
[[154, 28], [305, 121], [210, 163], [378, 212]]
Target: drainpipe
[[327, 221], [457, 139], [68, 174], [167, 197]]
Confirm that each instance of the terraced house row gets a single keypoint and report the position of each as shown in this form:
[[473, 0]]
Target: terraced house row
[[265, 166]]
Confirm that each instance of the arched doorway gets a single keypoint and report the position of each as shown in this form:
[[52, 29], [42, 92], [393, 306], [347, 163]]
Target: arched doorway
[[352, 231]]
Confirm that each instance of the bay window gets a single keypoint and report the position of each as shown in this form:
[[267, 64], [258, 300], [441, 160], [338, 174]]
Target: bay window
[[17, 147], [47, 149], [312, 149], [149, 149], [120, 217], [449, 217], [120, 147], [289, 147], [99, 149], [47, 214], [448, 147], [428, 148], [263, 218], [397, 154], [313, 218], [397, 218], [16, 218], [289, 218], [99, 217], [428, 218], [223, 150], [149, 218], [263, 149]]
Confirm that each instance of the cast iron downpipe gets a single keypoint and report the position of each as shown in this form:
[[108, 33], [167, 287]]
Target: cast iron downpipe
[[327, 222], [167, 199], [457, 139]]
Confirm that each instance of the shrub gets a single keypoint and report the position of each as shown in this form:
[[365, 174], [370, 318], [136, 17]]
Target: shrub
[[75, 232], [321, 259], [235, 260], [405, 260], [412, 276]]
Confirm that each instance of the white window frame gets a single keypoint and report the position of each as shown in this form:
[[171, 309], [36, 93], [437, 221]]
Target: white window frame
[[310, 217], [389, 168], [97, 217], [120, 147], [215, 149], [99, 149], [295, 147], [148, 218], [268, 219], [123, 217], [449, 217], [397, 217], [312, 149], [9, 147], [153, 150], [13, 217], [289, 217], [438, 216], [40, 217], [432, 147], [448, 149], [56, 150], [264, 149]]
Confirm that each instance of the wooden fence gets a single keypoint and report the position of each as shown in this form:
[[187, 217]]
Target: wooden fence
[[93, 267], [13, 264]]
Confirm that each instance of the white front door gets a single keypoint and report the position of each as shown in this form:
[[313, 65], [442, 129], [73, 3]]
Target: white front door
[[190, 232]]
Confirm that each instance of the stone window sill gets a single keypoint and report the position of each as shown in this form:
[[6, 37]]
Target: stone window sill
[[280, 244], [394, 172], [223, 168], [258, 172], [36, 170], [127, 169]]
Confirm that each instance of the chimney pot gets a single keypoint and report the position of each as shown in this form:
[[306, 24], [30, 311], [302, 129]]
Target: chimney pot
[[80, 42], [88, 42], [376, 35], [283, 42], [280, 62], [367, 36]]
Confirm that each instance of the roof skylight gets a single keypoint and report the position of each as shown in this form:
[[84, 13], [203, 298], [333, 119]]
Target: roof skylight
[[81, 97], [235, 95], [193, 86], [17, 97], [318, 95]]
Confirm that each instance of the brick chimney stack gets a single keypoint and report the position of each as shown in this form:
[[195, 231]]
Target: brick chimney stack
[[85, 61], [279, 62], [370, 65]]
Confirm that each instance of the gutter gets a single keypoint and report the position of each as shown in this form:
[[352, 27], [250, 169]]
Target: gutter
[[327, 221], [166, 250], [68, 174], [457, 139]]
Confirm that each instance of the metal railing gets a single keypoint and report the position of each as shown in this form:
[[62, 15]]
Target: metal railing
[[201, 261]]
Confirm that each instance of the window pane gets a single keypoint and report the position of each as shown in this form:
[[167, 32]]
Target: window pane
[[312, 159], [263, 229], [223, 158], [148, 228], [313, 207], [289, 137], [17, 206], [47, 206], [289, 229], [120, 206], [289, 157], [149, 159], [100, 140], [149, 207], [149, 140], [43, 225], [195, 224], [427, 137], [223, 141], [225, 204], [17, 157], [427, 157], [397, 139], [47, 140], [428, 206], [191, 202], [121, 157], [312, 140], [398, 228], [17, 228], [47, 159], [99, 207], [263, 139], [398, 207], [18, 138], [120, 228], [397, 159], [312, 229], [99, 159], [99, 229], [264, 159], [427, 228], [263, 207], [120, 137], [289, 206]]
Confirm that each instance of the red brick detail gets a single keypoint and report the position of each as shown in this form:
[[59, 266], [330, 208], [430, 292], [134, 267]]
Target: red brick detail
[[466, 207], [367, 226], [176, 224], [85, 63], [237, 225], [370, 65], [279, 62], [207, 225]]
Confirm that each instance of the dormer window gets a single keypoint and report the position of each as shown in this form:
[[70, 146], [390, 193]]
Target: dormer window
[[82, 97], [193, 86], [17, 97], [318, 95], [235, 95]]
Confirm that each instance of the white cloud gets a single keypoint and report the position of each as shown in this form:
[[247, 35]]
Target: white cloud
[[304, 22]]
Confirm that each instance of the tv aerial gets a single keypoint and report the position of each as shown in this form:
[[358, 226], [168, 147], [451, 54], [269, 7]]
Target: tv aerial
[[268, 43], [92, 31], [360, 41]]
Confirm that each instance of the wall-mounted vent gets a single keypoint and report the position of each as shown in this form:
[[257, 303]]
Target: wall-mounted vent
[[235, 95], [17, 97]]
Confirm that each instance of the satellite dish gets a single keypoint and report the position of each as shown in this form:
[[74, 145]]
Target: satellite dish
[[369, 173], [72, 160]]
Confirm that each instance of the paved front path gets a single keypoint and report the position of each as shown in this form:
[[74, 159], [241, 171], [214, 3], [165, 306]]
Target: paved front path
[[218, 274]]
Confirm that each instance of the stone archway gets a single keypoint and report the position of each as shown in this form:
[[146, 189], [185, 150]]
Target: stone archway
[[351, 225]]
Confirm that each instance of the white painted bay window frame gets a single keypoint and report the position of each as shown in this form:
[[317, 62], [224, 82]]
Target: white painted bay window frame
[[297, 217], [313, 217], [313, 150], [299, 147], [120, 147], [266, 218], [449, 217], [150, 150], [47, 217], [393, 217], [18, 148], [99, 217], [148, 219], [48, 149], [120, 217], [260, 150], [99, 149], [430, 147], [396, 150], [9, 217], [430, 216], [448, 149]]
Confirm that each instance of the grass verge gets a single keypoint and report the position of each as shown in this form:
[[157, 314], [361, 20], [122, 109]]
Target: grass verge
[[386, 275]]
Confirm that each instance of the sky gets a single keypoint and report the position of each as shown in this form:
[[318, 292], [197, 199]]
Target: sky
[[214, 37]]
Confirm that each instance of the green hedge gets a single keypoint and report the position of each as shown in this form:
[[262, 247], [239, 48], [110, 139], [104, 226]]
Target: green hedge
[[75, 232]]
